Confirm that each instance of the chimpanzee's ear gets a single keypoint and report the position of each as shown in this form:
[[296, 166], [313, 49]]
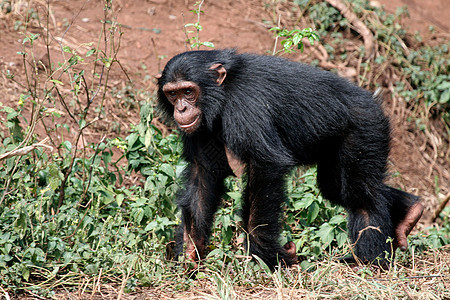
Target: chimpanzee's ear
[[221, 72]]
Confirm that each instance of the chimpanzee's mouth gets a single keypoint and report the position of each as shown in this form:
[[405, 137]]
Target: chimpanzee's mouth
[[191, 126]]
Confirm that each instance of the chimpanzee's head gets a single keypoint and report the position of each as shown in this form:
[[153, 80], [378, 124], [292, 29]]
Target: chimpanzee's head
[[190, 89]]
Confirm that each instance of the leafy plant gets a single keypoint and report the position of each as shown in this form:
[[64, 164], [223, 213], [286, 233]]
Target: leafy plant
[[65, 210], [427, 70], [156, 158], [312, 223], [194, 41], [293, 38]]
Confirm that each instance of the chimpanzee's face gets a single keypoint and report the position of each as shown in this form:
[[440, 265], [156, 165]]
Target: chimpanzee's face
[[184, 95]]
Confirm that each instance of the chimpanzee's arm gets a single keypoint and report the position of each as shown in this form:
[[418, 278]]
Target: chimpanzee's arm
[[200, 197]]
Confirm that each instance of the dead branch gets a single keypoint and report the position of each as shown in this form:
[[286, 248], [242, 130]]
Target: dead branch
[[25, 150], [358, 25], [441, 207]]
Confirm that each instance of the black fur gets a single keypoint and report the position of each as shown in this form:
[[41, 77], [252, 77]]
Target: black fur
[[274, 114]]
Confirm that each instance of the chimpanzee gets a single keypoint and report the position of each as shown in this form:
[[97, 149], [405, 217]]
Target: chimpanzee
[[270, 114]]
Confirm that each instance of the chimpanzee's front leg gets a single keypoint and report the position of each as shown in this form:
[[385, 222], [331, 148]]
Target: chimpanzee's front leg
[[198, 203], [201, 195]]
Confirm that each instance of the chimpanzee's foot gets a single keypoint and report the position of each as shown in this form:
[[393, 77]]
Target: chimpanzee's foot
[[291, 252], [406, 225]]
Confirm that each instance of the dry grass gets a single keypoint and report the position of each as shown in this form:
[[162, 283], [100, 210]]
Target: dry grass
[[426, 276]]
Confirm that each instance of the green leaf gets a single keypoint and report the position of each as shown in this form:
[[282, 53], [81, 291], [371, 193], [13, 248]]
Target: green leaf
[[82, 123], [301, 46], [263, 265], [90, 52], [234, 195], [26, 273], [152, 225], [444, 86], [313, 212], [11, 112], [445, 97], [167, 169], [337, 219], [208, 44], [56, 81], [305, 265], [305, 202], [67, 145], [326, 233], [226, 221], [341, 238], [227, 235], [108, 196], [119, 199], [54, 176], [297, 39], [283, 33]]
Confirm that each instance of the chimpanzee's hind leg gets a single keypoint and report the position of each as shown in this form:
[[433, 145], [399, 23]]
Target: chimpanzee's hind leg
[[369, 230], [403, 211], [352, 175]]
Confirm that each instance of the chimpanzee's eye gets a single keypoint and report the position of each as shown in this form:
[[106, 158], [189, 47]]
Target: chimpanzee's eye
[[188, 92]]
